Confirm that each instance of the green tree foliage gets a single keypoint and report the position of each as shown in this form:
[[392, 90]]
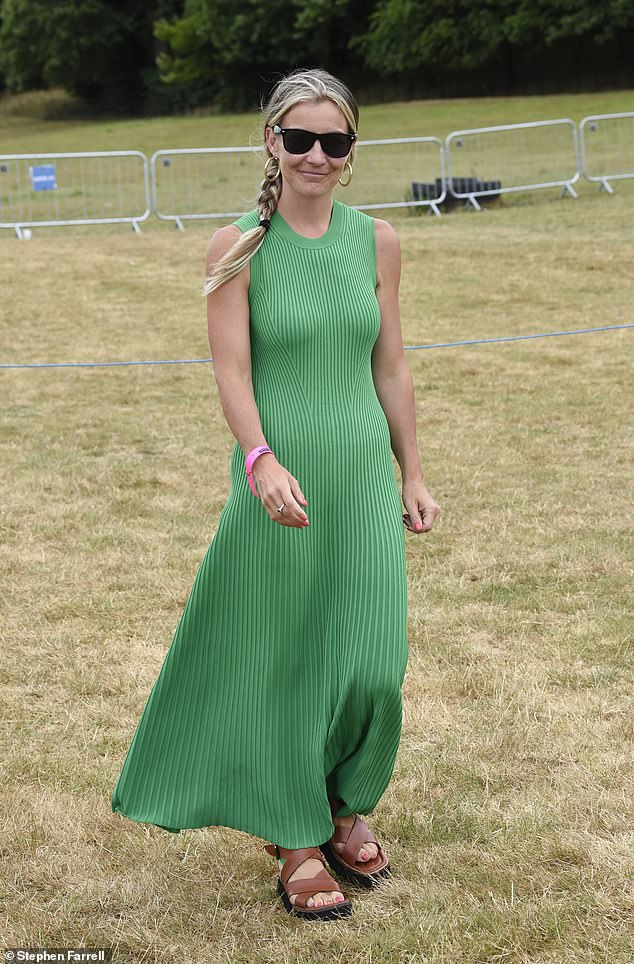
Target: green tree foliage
[[229, 51], [164, 54], [532, 20], [97, 49], [459, 34], [405, 34]]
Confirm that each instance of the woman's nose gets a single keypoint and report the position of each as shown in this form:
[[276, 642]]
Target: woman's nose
[[316, 153]]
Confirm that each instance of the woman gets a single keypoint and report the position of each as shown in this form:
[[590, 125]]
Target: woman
[[277, 710]]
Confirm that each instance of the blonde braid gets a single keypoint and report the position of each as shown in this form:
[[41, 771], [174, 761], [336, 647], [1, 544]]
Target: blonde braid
[[239, 255]]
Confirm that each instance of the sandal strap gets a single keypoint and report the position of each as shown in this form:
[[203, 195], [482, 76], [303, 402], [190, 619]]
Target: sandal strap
[[320, 883], [354, 838], [294, 859], [307, 887]]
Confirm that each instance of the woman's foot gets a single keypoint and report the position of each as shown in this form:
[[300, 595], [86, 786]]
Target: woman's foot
[[304, 893], [353, 851], [367, 852], [310, 868]]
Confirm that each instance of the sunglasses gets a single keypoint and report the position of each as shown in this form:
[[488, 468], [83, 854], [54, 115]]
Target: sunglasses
[[297, 141]]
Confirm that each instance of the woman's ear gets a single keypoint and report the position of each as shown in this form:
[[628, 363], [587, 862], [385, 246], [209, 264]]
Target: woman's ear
[[271, 140]]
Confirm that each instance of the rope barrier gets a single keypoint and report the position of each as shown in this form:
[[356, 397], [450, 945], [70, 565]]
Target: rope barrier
[[203, 361], [547, 334]]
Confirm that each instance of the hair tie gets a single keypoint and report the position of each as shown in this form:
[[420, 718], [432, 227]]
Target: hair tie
[[265, 223]]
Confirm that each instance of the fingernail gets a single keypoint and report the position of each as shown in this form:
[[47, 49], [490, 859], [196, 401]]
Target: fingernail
[[418, 526]]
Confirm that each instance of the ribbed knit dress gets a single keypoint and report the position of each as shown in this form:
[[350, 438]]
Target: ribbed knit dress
[[282, 685]]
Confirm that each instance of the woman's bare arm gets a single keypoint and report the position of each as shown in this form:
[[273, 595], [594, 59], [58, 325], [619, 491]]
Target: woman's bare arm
[[393, 382], [230, 344]]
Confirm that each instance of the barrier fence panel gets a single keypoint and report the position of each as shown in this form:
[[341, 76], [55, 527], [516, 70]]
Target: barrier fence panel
[[607, 148], [222, 182], [489, 161], [100, 187], [212, 182], [396, 173]]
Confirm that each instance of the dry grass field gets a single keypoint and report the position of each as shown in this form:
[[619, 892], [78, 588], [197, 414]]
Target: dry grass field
[[509, 821]]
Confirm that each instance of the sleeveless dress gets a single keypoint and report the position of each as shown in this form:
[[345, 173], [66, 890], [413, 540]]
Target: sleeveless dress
[[283, 681]]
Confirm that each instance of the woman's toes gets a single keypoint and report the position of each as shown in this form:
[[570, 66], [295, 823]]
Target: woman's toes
[[339, 898], [368, 852]]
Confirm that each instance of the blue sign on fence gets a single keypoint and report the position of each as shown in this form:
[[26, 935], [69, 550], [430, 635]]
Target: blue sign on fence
[[43, 177]]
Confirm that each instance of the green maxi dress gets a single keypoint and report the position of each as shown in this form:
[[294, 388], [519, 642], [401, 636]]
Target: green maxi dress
[[282, 685]]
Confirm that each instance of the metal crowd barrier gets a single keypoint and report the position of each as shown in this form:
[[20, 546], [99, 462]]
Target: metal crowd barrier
[[213, 182], [221, 182], [488, 161], [88, 187], [388, 173], [607, 148], [106, 187]]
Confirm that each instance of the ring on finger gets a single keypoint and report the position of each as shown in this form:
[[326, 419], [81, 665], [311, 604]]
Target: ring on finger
[[280, 508]]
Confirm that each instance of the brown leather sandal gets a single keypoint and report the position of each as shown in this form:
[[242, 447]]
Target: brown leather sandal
[[365, 873], [303, 889]]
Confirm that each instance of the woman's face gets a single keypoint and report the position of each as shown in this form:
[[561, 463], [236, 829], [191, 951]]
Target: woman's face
[[315, 173]]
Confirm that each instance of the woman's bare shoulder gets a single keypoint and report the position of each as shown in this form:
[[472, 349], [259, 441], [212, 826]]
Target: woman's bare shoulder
[[221, 241], [386, 237]]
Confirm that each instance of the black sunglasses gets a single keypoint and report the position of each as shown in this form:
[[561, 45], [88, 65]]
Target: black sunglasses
[[297, 141]]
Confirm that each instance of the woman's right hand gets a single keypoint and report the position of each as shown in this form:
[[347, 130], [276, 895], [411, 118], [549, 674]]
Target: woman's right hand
[[277, 487]]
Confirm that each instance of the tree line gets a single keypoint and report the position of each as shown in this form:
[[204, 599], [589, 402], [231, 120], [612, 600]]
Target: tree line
[[165, 55]]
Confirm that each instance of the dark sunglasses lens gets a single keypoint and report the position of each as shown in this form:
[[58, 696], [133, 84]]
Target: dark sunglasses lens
[[336, 145], [297, 141]]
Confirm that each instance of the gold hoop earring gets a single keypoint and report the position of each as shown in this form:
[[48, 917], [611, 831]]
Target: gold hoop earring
[[347, 166], [269, 174]]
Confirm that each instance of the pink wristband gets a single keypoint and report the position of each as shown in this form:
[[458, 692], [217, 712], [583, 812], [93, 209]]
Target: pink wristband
[[248, 465]]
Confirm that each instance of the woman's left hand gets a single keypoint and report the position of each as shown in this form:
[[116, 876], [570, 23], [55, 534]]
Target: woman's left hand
[[422, 508]]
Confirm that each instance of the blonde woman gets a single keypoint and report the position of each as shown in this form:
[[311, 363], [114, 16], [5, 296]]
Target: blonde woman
[[277, 710]]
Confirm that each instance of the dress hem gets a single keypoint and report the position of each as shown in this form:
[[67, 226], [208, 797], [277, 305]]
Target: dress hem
[[293, 845]]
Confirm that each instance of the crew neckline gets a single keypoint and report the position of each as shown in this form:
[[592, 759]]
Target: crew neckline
[[283, 229]]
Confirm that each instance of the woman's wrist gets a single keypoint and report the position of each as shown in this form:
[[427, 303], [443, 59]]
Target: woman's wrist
[[257, 453], [251, 446], [413, 476], [263, 460]]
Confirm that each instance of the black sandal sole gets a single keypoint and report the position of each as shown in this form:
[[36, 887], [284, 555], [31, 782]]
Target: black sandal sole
[[349, 875], [327, 912]]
